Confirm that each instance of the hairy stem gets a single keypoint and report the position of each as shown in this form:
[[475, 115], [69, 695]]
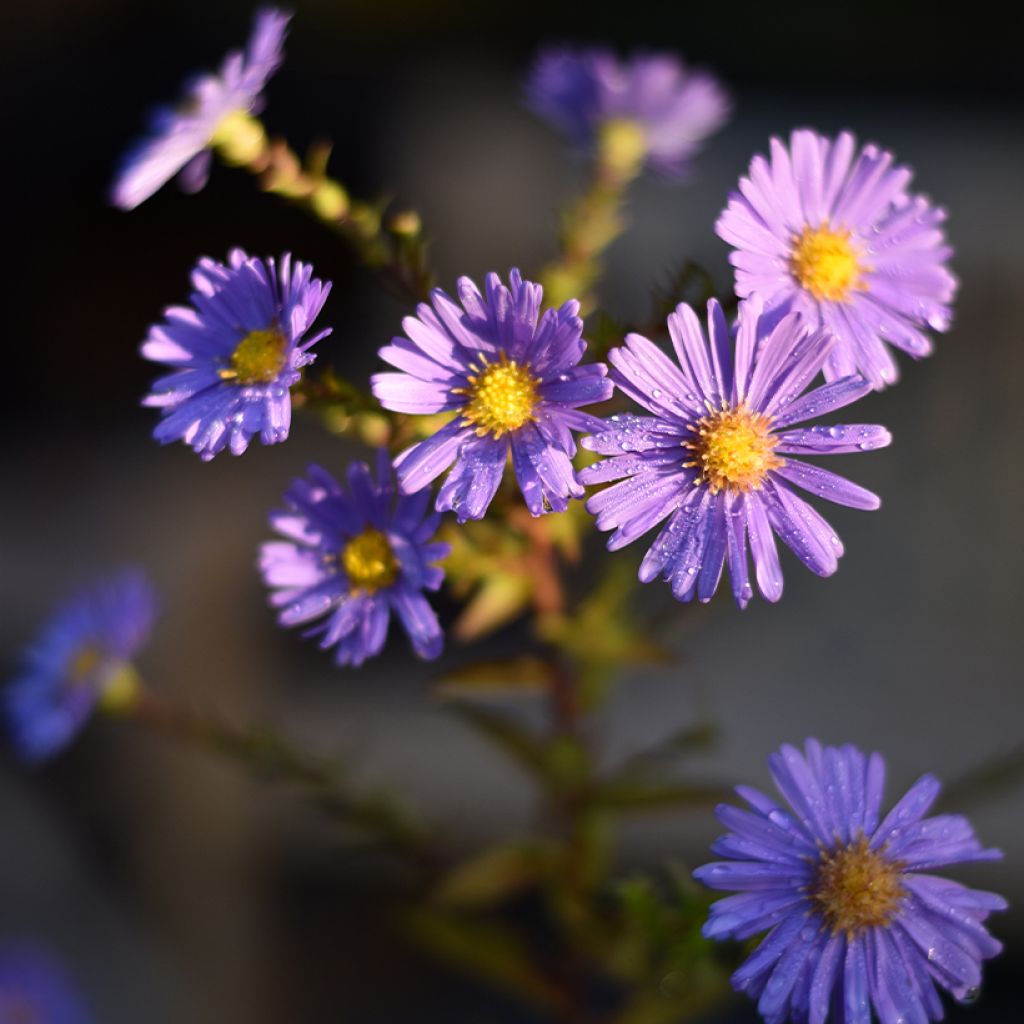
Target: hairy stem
[[391, 244], [270, 756], [593, 221]]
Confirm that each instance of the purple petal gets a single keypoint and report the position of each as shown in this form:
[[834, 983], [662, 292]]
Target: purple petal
[[828, 485]]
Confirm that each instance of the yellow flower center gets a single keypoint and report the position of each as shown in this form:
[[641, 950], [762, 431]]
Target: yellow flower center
[[733, 449], [857, 887], [121, 691], [827, 263], [501, 396], [239, 137], [623, 146], [369, 562], [116, 682], [258, 358]]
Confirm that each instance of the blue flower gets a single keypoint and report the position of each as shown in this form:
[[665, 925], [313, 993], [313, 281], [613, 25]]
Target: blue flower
[[34, 990], [854, 917], [180, 137], [512, 378], [235, 353], [81, 657], [834, 234], [651, 104], [353, 559], [716, 456]]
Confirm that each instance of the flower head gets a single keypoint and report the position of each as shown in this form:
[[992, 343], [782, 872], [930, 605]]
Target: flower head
[[352, 559], [512, 379], [854, 918], [650, 101], [235, 353], [214, 105], [34, 990], [716, 457], [841, 241], [81, 657]]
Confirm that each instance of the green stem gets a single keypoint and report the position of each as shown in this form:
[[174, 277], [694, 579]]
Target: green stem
[[392, 246], [592, 222], [270, 756]]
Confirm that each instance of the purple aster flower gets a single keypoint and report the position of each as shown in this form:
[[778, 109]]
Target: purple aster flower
[[841, 241], [669, 109], [352, 559], [854, 918], [512, 379], [180, 137], [35, 990], [716, 457], [82, 657], [235, 353]]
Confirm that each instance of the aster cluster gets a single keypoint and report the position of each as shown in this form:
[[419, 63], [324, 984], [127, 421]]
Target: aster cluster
[[497, 406]]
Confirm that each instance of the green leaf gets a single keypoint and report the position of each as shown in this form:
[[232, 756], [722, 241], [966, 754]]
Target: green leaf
[[498, 601], [626, 794], [523, 674], [566, 762], [496, 875], [602, 634], [690, 739], [513, 737]]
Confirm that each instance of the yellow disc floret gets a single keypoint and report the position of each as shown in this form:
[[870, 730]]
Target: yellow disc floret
[[239, 138], [623, 146], [733, 449], [122, 689], [116, 683], [856, 887], [369, 562], [501, 396], [827, 263], [258, 358]]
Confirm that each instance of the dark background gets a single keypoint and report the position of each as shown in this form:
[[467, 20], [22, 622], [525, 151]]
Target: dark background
[[176, 889]]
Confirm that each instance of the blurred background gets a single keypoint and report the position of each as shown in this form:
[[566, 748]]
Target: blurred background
[[175, 888]]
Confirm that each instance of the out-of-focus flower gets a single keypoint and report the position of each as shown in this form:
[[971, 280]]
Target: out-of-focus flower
[[235, 353], [854, 918], [716, 457], [34, 990], [647, 109], [353, 559], [215, 107], [81, 657], [512, 381], [841, 241]]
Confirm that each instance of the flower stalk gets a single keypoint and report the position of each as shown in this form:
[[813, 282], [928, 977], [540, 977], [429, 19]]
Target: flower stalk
[[270, 756], [593, 221], [391, 244]]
